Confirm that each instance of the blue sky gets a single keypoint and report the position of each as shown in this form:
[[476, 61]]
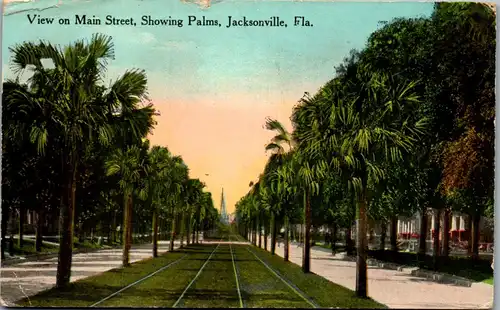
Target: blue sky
[[252, 58], [215, 86]]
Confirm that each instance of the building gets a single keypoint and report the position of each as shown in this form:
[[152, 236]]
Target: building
[[408, 228]]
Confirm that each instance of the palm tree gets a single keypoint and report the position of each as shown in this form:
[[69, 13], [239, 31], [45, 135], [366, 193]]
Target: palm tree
[[193, 194], [280, 146], [129, 166], [355, 126], [75, 112], [178, 175], [157, 183]]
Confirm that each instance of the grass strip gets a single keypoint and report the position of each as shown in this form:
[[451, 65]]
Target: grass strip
[[165, 288], [216, 285], [488, 281], [286, 282], [259, 287], [85, 292], [138, 281], [236, 277], [323, 292]]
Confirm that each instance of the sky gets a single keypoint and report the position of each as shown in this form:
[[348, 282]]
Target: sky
[[215, 86]]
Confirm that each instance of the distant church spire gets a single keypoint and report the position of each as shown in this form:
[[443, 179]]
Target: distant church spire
[[223, 212]]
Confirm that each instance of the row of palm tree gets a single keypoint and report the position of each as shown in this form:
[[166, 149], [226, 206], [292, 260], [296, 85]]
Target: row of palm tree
[[75, 146], [373, 144]]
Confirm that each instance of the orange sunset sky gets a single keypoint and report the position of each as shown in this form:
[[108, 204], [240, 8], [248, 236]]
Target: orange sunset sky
[[224, 141]]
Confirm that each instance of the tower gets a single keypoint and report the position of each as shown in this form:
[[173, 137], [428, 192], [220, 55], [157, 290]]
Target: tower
[[223, 211]]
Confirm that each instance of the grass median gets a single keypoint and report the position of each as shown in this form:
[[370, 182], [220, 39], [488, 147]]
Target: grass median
[[86, 292], [164, 288], [216, 284], [323, 292], [260, 288]]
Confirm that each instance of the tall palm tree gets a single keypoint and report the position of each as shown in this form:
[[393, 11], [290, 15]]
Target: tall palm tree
[[178, 175], [130, 167], [193, 194], [156, 185], [281, 144], [361, 123], [71, 111]]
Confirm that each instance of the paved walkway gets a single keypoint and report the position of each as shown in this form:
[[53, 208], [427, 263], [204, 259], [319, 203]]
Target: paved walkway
[[396, 289], [29, 278]]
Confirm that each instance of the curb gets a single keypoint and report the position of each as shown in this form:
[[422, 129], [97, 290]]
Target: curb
[[385, 265], [442, 278]]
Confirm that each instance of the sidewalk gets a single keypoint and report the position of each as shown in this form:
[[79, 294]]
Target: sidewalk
[[396, 289], [29, 278]]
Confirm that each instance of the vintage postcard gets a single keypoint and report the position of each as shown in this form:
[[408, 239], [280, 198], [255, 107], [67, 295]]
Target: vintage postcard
[[247, 154]]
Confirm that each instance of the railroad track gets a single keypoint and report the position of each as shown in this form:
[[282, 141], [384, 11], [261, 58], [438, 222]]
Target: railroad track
[[151, 275], [238, 281], [196, 277]]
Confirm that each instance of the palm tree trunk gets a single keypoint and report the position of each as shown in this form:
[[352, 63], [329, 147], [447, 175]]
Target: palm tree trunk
[[66, 229], [12, 230], [348, 240], [254, 232], [259, 226], [475, 236], [383, 234], [422, 241], [155, 233], [266, 234], [5, 221], [273, 233], [114, 227], [333, 238], [194, 234], [127, 230], [39, 230], [198, 235], [22, 216], [249, 232], [361, 270], [469, 230], [188, 229], [394, 234], [130, 230], [287, 241], [183, 227], [435, 245], [445, 251], [306, 258], [172, 234]]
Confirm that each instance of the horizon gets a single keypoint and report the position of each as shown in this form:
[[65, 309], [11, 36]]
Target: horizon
[[214, 97]]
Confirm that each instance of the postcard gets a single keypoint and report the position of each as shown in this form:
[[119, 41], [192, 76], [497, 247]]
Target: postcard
[[243, 154]]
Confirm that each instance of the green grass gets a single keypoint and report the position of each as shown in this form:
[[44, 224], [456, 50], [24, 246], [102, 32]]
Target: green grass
[[28, 248], [323, 292], [214, 287], [488, 281], [259, 287], [85, 292], [163, 289]]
